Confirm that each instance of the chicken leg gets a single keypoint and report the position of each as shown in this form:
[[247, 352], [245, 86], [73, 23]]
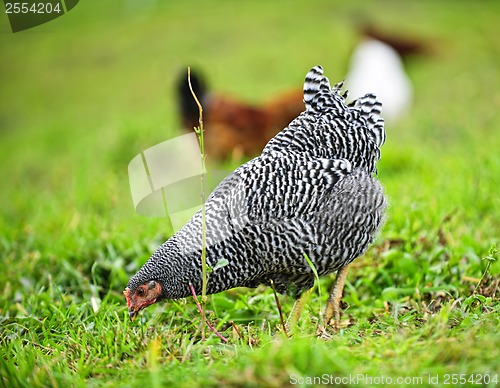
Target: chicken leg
[[333, 302], [297, 308]]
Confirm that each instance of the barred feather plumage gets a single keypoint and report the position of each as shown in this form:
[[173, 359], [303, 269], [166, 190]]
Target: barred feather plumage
[[311, 191]]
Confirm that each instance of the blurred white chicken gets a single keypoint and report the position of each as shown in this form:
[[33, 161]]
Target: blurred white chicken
[[377, 67]]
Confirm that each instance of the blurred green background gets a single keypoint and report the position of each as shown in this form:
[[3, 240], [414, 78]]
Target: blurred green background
[[82, 95]]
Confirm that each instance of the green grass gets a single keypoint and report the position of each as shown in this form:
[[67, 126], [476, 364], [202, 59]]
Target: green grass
[[82, 95]]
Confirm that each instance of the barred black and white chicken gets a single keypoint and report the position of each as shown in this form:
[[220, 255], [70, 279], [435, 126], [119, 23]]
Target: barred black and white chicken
[[311, 192]]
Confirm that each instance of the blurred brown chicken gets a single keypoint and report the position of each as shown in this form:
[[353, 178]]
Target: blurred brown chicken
[[233, 128]]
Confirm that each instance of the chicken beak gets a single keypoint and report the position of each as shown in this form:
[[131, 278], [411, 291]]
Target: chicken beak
[[133, 314]]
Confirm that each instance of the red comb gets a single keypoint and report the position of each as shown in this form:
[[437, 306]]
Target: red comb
[[127, 295]]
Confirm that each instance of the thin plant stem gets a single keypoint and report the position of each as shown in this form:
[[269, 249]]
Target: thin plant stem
[[237, 330], [482, 278], [200, 309], [315, 272], [204, 275], [278, 304], [490, 258]]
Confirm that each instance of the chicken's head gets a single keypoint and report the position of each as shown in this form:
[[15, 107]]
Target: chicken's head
[[144, 295]]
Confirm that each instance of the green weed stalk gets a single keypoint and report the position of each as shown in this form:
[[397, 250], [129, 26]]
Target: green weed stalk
[[315, 272], [199, 133]]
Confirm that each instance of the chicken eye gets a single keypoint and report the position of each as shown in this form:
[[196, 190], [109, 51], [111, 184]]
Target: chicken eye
[[152, 284], [141, 292]]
